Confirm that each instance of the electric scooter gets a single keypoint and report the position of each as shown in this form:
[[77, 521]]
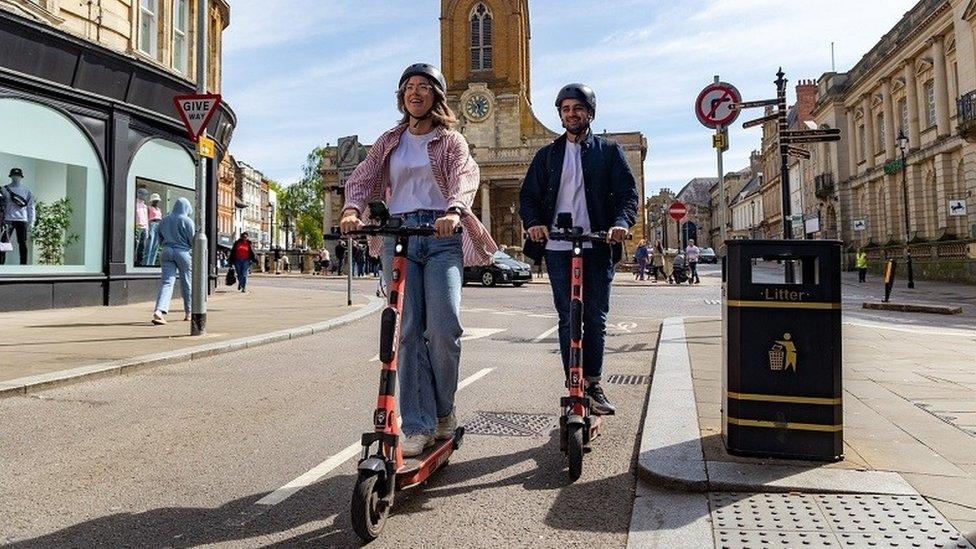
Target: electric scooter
[[383, 470], [578, 426]]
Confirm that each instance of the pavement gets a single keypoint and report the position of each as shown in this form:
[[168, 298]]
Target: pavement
[[41, 348], [909, 443]]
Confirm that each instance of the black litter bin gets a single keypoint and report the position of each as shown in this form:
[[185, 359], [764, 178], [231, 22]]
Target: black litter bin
[[781, 337]]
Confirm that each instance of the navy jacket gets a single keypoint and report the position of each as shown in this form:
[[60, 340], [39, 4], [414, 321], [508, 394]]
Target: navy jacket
[[609, 185]]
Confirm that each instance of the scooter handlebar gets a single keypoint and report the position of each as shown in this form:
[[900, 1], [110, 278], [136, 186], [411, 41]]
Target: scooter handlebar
[[389, 230], [571, 236]]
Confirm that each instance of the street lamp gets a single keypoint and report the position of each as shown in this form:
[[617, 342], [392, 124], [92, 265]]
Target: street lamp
[[511, 210], [903, 145], [271, 227]]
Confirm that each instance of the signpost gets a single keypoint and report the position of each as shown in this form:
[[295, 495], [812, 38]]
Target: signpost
[[196, 111], [677, 211], [349, 156], [714, 109]]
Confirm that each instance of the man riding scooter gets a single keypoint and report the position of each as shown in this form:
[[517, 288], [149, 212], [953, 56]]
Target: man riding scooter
[[588, 176]]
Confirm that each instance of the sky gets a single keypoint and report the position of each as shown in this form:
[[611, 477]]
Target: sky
[[302, 73]]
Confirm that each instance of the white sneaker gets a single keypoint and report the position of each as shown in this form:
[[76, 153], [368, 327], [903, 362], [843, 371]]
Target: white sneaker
[[414, 445], [445, 427], [158, 319]]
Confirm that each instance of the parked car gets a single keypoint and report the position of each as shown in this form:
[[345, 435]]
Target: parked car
[[503, 270], [707, 255]]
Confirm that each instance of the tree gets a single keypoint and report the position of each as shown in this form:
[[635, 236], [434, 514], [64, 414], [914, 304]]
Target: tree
[[302, 201]]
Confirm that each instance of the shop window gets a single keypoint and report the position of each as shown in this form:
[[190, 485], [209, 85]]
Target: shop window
[[149, 27], [160, 173], [52, 198]]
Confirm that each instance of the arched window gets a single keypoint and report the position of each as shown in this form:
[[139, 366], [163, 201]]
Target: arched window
[[480, 38]]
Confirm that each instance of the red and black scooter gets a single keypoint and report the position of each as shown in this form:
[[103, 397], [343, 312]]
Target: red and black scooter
[[382, 467], [577, 425]]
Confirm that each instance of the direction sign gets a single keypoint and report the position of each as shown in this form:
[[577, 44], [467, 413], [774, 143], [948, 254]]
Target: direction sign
[[196, 111], [678, 211], [760, 121], [796, 151], [812, 139], [713, 106], [739, 105], [812, 133]]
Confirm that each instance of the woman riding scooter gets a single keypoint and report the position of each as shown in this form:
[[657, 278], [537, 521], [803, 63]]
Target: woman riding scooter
[[423, 170]]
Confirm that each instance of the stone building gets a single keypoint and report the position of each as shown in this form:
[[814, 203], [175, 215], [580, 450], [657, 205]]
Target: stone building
[[90, 86], [226, 181], [486, 62], [696, 196], [734, 183], [660, 226], [920, 79], [248, 188]]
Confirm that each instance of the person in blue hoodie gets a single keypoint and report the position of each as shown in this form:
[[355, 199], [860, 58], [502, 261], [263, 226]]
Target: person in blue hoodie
[[176, 232]]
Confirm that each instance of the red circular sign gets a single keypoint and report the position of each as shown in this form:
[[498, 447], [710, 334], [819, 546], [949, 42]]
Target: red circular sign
[[714, 105], [678, 211]]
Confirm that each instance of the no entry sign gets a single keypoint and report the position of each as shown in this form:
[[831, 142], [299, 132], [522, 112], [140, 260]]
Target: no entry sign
[[678, 211], [196, 111], [714, 106]]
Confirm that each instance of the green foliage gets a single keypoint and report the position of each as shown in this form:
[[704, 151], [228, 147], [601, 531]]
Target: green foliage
[[50, 234], [302, 202]]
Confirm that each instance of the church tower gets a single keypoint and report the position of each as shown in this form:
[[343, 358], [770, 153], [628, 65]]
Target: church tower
[[485, 59]]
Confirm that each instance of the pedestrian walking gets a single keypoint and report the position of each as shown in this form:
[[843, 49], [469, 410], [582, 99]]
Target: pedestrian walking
[[424, 171], [359, 258], [692, 254], [340, 257], [286, 263], [640, 256], [657, 261], [326, 261], [600, 192], [277, 259], [243, 255], [175, 233], [861, 264]]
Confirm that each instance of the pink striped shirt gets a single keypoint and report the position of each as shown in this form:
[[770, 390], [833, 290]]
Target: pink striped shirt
[[455, 171]]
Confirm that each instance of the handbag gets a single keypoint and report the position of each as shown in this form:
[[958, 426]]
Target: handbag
[[5, 245], [231, 276]]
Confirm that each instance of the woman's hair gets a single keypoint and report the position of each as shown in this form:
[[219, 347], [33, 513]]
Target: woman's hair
[[440, 113]]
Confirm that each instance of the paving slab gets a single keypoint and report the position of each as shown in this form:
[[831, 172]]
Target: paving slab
[[666, 518]]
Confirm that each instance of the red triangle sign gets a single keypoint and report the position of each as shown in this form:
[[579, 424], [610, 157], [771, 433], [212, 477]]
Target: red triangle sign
[[196, 111]]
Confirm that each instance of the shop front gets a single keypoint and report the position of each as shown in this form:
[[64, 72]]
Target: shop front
[[92, 156]]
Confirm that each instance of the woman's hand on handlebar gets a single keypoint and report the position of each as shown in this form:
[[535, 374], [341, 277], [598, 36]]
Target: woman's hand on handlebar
[[539, 233], [447, 225], [616, 234], [350, 221]]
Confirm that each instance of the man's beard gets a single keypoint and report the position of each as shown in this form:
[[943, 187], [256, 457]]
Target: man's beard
[[578, 128]]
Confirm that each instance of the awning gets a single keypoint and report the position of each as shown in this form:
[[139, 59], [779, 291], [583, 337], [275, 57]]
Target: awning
[[225, 241]]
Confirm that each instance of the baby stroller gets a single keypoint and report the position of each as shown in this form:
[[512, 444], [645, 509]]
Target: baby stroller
[[681, 272]]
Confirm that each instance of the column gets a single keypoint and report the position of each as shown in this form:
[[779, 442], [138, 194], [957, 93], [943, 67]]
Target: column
[[943, 181], [941, 86], [889, 119], [868, 131], [851, 143], [486, 206], [911, 100]]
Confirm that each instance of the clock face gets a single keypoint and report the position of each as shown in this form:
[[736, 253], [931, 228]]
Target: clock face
[[477, 107]]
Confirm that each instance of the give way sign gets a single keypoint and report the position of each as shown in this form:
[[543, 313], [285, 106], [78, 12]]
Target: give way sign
[[714, 105], [196, 111]]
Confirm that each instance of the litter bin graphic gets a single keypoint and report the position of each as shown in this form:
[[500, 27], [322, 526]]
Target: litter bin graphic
[[781, 375]]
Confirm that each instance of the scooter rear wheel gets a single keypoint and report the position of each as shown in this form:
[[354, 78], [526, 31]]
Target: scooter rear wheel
[[574, 451], [368, 510]]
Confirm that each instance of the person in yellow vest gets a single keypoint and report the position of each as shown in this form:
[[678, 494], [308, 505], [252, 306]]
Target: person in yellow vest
[[861, 264]]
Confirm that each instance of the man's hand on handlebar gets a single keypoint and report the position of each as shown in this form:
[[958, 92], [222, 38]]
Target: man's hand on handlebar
[[616, 234], [539, 233], [350, 221], [447, 225]]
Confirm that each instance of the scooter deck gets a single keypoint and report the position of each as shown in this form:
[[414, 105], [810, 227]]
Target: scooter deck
[[416, 469]]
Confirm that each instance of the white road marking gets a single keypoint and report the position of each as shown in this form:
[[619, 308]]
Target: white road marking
[[545, 334], [315, 473]]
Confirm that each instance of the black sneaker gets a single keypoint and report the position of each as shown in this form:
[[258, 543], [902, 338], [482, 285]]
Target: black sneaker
[[599, 404]]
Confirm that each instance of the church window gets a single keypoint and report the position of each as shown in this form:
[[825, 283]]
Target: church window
[[480, 38]]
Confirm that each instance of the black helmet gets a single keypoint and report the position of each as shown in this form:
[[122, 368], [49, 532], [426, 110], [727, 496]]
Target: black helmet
[[425, 69], [578, 91], [16, 172]]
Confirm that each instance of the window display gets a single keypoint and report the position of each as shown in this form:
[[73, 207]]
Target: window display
[[153, 201], [52, 199]]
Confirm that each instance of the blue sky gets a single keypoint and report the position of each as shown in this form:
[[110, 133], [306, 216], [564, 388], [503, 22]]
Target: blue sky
[[301, 73]]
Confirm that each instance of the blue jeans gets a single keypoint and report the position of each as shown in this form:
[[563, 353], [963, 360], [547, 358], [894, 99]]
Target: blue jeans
[[152, 245], [430, 329], [173, 262], [243, 267], [598, 272]]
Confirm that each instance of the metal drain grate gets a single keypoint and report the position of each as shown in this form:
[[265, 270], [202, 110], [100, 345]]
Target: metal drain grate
[[625, 379], [827, 520], [511, 424]]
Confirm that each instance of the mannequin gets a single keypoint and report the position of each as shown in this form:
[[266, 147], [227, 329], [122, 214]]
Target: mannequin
[[155, 216], [142, 225], [18, 213]]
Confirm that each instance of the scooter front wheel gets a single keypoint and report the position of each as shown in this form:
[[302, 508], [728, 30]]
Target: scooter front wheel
[[368, 511], [574, 451]]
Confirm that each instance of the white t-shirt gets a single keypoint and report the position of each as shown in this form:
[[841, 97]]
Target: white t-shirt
[[571, 197], [411, 177]]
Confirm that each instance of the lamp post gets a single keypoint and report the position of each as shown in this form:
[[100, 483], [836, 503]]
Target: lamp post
[[271, 227], [287, 227], [903, 145], [511, 210]]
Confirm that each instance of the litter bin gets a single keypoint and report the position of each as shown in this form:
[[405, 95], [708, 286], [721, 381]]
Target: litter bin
[[781, 338]]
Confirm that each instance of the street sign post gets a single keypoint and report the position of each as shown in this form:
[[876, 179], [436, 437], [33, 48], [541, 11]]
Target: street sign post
[[714, 110], [798, 152], [678, 211], [753, 104], [349, 156]]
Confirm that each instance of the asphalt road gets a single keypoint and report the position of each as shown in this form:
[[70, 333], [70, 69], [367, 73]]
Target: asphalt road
[[179, 455]]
